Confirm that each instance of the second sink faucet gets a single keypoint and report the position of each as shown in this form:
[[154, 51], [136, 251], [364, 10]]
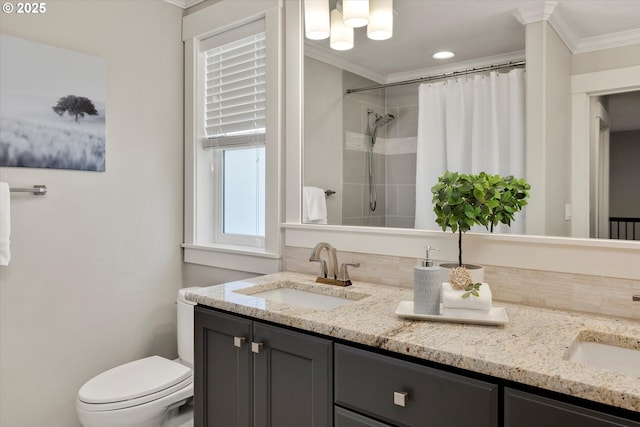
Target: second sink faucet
[[331, 274]]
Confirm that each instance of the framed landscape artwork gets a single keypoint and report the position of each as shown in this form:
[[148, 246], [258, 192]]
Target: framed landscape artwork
[[52, 107]]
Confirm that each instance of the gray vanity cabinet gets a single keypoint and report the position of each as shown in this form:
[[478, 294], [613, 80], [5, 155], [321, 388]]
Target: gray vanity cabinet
[[402, 393], [523, 409], [252, 374], [248, 373]]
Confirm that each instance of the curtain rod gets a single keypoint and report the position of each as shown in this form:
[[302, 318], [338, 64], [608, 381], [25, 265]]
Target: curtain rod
[[441, 76]]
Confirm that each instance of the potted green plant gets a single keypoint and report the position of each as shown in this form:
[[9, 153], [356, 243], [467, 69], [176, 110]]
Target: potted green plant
[[464, 200], [509, 197]]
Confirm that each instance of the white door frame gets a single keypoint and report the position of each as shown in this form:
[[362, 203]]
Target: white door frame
[[583, 86], [600, 173]]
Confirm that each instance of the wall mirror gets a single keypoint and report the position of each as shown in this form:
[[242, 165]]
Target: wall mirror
[[360, 148]]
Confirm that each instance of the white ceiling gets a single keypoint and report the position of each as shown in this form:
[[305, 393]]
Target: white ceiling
[[480, 32]]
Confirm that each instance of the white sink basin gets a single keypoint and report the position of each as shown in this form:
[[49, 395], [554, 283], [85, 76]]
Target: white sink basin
[[605, 356], [303, 298]]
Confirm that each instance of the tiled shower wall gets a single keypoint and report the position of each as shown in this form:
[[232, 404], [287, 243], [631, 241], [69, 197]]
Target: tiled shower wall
[[400, 155], [575, 292], [355, 175], [394, 155]]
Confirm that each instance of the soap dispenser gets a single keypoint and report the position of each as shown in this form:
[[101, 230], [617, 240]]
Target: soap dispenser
[[427, 285]]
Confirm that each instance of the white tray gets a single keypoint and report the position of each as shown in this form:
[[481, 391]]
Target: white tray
[[495, 316]]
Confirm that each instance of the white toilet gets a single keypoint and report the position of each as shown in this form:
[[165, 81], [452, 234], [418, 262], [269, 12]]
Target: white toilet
[[149, 392]]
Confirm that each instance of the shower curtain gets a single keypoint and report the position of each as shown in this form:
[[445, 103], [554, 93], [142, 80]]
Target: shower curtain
[[469, 125]]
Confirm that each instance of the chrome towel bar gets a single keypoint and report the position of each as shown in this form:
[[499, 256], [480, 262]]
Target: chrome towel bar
[[37, 190]]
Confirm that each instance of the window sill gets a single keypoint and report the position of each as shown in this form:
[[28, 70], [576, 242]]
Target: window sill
[[231, 257]]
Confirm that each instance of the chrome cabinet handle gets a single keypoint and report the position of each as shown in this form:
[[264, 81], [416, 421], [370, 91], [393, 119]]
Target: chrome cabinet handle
[[239, 341], [256, 347], [400, 398]]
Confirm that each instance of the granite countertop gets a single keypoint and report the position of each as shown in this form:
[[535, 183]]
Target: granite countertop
[[530, 349]]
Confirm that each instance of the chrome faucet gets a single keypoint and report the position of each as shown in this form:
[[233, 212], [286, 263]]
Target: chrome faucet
[[331, 274]]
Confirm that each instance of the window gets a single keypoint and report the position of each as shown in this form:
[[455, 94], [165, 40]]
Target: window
[[234, 66], [232, 135], [242, 196]]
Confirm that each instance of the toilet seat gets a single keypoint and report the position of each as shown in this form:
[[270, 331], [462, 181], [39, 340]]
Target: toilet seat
[[134, 383]]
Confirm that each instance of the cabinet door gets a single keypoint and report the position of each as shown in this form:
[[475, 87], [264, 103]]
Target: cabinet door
[[222, 374], [293, 378], [528, 410]]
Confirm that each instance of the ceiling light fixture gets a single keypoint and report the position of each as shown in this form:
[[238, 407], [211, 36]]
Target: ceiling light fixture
[[341, 35], [445, 54], [380, 25], [377, 15], [355, 13], [316, 19]]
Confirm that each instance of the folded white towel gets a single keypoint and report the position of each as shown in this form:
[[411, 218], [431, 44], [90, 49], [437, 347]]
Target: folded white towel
[[5, 224], [314, 205], [452, 298]]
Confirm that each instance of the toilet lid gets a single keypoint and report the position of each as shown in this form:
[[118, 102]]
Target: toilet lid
[[132, 380]]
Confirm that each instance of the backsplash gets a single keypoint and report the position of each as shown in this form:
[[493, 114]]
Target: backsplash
[[576, 292]]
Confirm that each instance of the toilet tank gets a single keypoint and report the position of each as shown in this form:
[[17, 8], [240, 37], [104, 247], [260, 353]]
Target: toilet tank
[[185, 326]]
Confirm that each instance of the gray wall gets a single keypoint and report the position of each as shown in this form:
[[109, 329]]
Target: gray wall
[[323, 132], [96, 263], [624, 196], [605, 59]]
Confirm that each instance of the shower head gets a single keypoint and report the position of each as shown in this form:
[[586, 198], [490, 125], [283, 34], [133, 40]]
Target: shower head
[[384, 120], [379, 121]]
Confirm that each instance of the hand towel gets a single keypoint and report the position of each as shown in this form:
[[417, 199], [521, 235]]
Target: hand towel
[[452, 298], [5, 224], [314, 205]]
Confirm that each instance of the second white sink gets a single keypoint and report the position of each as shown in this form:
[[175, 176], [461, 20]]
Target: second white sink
[[303, 298], [605, 356]]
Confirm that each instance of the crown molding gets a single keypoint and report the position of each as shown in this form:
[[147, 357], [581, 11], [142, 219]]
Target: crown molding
[[608, 41], [547, 12], [535, 12], [184, 3], [559, 24], [327, 56]]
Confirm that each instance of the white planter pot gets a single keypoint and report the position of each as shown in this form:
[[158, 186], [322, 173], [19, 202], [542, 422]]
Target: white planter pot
[[477, 271]]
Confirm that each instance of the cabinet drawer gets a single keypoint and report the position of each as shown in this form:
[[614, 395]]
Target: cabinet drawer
[[345, 418], [528, 410], [378, 386]]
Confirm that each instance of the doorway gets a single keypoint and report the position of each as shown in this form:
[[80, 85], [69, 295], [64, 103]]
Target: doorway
[[620, 210], [584, 87]]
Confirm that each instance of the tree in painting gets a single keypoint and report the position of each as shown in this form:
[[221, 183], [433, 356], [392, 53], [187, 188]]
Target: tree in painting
[[75, 105]]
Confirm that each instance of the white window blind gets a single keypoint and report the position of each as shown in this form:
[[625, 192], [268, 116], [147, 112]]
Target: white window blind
[[235, 87]]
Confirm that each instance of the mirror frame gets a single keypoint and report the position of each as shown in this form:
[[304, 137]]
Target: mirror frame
[[605, 258]]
